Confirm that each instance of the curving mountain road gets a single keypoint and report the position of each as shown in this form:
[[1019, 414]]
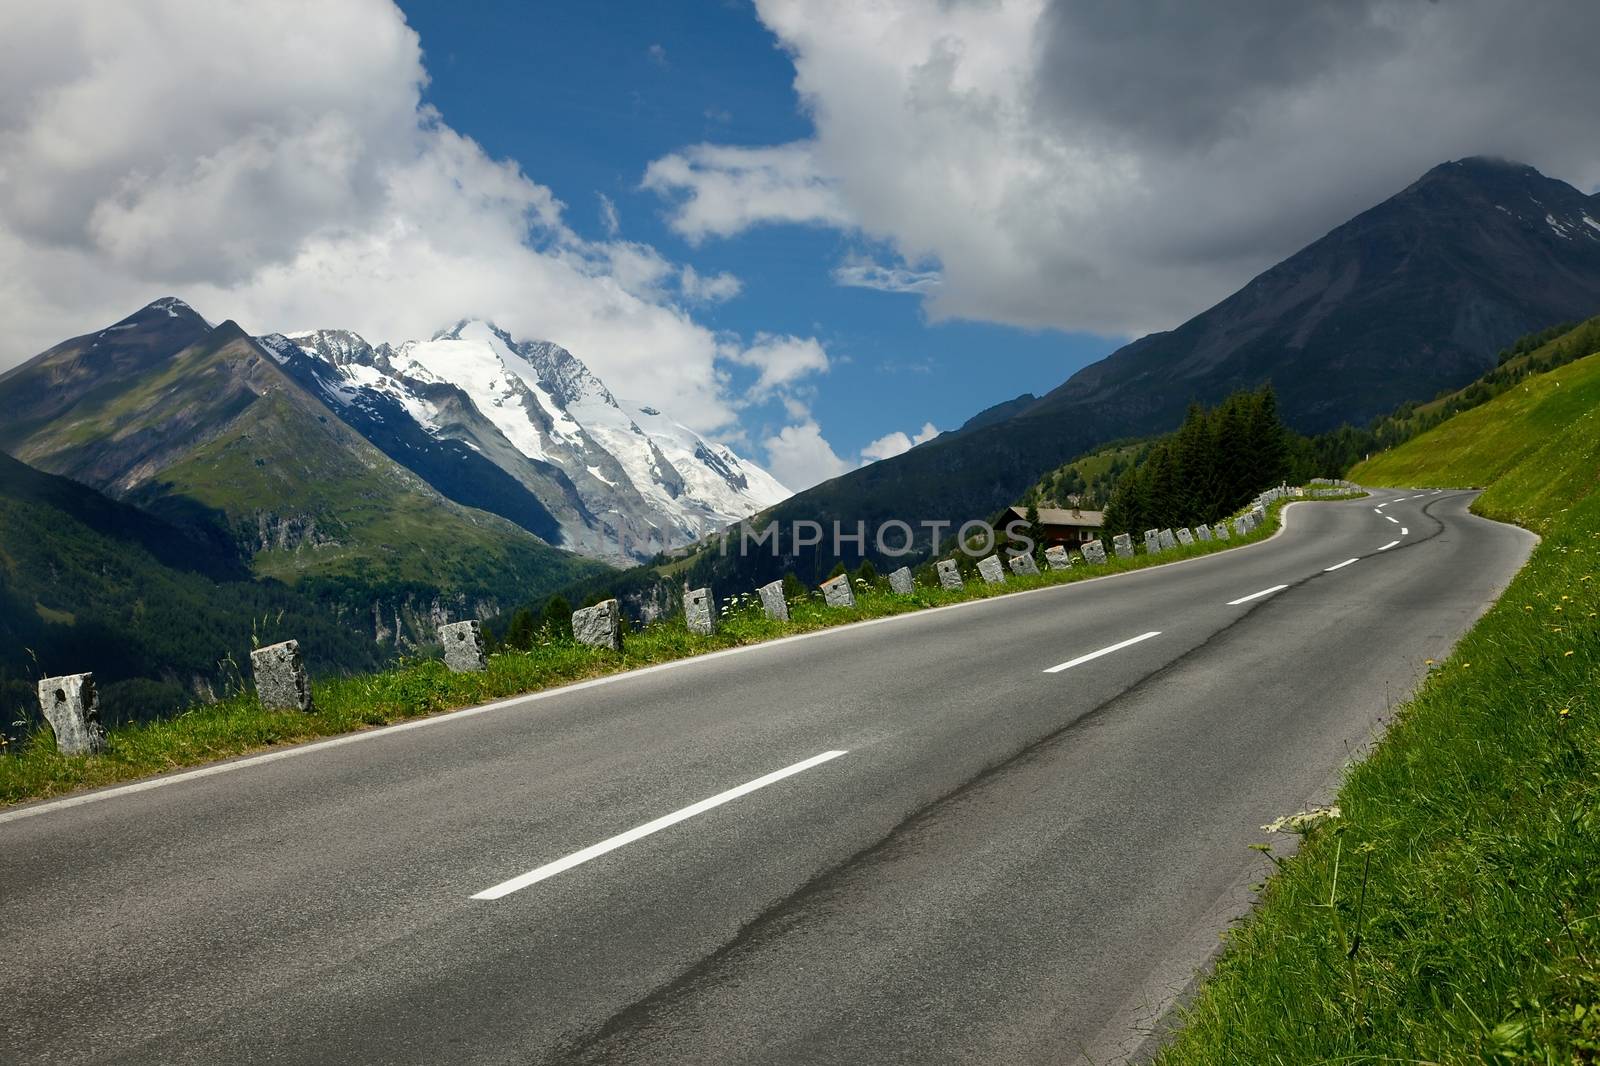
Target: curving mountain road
[[954, 836]]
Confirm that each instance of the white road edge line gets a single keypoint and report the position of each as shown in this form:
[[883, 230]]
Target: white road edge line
[[578, 858], [1389, 545], [1393, 519], [1080, 660], [1256, 595], [1339, 566]]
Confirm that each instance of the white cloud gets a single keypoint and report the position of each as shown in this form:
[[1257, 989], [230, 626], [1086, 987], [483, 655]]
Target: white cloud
[[708, 288], [658, 54], [885, 278], [782, 360], [1121, 167], [610, 221], [211, 150], [799, 457], [719, 191], [896, 443]]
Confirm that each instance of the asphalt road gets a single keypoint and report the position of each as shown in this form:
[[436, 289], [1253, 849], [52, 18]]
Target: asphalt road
[[1005, 865]]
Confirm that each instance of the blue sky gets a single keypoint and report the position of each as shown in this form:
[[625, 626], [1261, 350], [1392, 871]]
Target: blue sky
[[585, 96], [390, 169]]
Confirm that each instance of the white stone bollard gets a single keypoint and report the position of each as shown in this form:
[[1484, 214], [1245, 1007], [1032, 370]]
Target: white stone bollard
[[1168, 541], [1202, 532], [463, 646], [1220, 530], [949, 575], [1094, 553], [1241, 525], [993, 573], [71, 704], [1185, 537], [599, 626], [1152, 541], [281, 681], [699, 612], [1057, 557], [836, 592], [1022, 565], [902, 582], [772, 601]]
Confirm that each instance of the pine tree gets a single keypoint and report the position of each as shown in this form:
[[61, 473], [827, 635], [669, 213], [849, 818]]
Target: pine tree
[[556, 619], [520, 633]]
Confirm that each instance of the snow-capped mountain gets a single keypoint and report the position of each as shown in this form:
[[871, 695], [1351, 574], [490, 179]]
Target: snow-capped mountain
[[523, 428]]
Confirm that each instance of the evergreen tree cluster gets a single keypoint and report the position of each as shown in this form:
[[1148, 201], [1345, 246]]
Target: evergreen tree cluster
[[1212, 466]]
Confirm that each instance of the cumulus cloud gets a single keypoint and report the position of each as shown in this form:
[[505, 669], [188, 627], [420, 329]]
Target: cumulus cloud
[[800, 457], [718, 191], [782, 361], [896, 443], [708, 288], [211, 150], [1118, 167]]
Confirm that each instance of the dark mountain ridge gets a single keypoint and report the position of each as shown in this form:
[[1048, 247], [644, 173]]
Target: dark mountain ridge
[[1409, 298]]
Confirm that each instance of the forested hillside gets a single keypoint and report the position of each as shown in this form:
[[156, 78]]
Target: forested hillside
[[161, 618]]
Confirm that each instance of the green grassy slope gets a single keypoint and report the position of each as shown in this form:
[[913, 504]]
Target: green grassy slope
[[1452, 912], [1535, 446]]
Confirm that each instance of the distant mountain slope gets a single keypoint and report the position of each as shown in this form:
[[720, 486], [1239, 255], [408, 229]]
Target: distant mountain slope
[[1411, 297], [202, 427], [524, 429], [87, 583]]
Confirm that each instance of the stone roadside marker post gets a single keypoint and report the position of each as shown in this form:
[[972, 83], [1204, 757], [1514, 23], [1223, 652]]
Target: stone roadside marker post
[[1152, 541], [1094, 553], [949, 575], [1058, 557], [1202, 532], [699, 612], [772, 601], [599, 626], [1168, 541], [463, 646], [902, 582], [1241, 526], [836, 592], [989, 566], [1023, 565], [1220, 530], [71, 704], [281, 681], [1123, 545], [1185, 537]]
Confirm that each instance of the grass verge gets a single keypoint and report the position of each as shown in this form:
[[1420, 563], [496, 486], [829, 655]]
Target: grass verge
[[1452, 912], [237, 725]]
